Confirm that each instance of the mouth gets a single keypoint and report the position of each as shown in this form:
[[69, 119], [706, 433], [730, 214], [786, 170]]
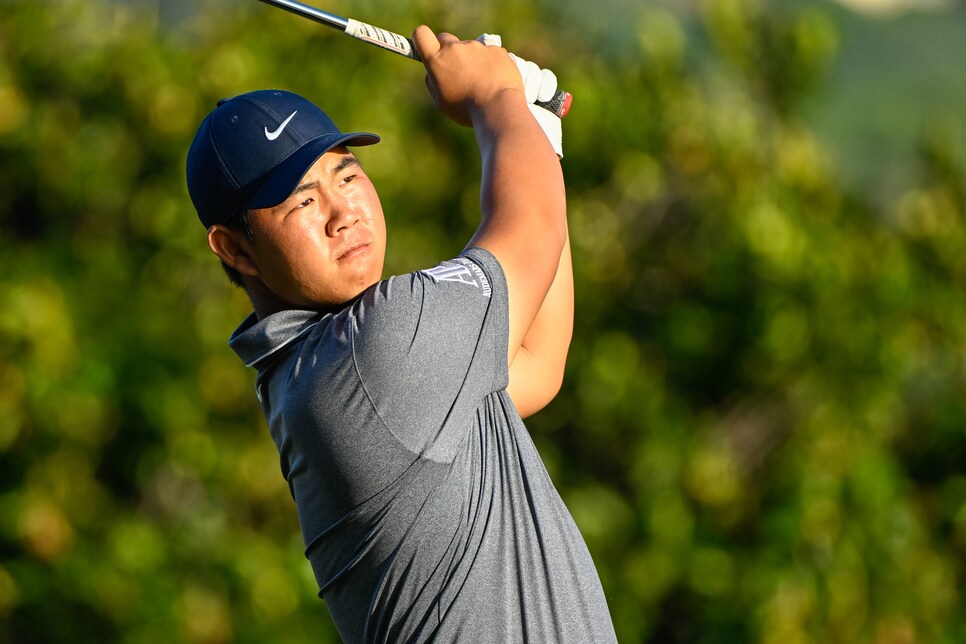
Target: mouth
[[354, 251]]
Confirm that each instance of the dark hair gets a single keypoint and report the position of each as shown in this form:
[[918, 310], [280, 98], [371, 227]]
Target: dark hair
[[241, 223]]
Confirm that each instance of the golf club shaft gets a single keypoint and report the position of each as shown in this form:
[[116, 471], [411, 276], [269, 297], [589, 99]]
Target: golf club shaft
[[559, 104]]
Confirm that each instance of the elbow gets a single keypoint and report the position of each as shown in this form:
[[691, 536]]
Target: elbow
[[554, 384], [551, 393], [534, 403], [536, 398], [534, 383]]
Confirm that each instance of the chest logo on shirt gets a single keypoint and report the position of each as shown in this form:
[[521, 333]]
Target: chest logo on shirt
[[468, 273]]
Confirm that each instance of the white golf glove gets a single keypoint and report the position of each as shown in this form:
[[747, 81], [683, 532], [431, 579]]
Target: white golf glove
[[539, 85]]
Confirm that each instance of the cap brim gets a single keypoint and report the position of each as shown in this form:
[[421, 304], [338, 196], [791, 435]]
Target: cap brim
[[282, 181]]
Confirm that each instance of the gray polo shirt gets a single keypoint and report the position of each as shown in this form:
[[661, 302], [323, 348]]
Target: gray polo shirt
[[426, 511]]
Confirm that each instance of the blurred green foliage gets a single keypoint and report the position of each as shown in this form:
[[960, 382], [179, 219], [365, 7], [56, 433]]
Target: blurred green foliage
[[761, 429]]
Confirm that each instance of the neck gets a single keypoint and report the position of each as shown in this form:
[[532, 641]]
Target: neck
[[265, 302], [264, 306]]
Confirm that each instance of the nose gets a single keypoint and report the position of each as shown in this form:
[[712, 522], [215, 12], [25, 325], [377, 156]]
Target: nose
[[342, 216]]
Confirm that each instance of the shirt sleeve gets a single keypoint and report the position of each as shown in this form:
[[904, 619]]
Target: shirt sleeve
[[429, 346]]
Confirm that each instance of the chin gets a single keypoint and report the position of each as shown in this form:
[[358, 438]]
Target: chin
[[346, 296]]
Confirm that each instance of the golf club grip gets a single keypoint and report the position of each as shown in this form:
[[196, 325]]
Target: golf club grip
[[559, 104]]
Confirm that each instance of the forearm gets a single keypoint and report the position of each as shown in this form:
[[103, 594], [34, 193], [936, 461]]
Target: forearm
[[522, 182], [536, 373], [548, 338]]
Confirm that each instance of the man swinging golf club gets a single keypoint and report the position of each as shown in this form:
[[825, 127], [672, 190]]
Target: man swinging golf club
[[396, 404]]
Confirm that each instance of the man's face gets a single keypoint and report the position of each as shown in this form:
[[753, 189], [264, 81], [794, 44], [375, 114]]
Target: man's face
[[326, 243]]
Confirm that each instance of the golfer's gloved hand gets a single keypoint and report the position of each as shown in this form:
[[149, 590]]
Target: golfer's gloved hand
[[539, 85]]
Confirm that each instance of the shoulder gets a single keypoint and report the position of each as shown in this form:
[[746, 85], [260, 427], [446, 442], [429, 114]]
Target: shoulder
[[449, 303], [473, 275], [476, 267], [482, 260]]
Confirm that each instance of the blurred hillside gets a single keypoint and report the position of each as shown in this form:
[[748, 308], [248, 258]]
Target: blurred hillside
[[897, 79]]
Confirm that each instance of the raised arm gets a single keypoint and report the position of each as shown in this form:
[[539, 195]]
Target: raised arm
[[522, 195]]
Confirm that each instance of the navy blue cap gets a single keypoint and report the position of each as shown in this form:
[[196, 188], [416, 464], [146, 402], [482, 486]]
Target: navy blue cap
[[252, 150]]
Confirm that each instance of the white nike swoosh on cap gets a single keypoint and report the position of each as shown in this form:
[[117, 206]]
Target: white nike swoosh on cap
[[271, 136]]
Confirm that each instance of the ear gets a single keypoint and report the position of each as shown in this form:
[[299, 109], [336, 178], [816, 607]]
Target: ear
[[233, 248]]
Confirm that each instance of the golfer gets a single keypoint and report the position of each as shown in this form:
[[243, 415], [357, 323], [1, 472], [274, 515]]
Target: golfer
[[396, 403]]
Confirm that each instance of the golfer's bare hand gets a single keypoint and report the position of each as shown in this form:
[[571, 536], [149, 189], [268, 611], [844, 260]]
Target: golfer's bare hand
[[464, 76]]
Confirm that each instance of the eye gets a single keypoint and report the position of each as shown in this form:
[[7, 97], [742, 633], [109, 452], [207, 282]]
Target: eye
[[348, 178], [304, 203]]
